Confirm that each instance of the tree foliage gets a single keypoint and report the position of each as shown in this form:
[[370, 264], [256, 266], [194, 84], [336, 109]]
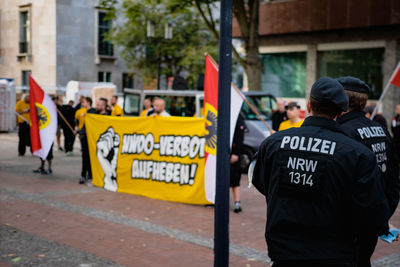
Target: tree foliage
[[184, 52], [246, 13]]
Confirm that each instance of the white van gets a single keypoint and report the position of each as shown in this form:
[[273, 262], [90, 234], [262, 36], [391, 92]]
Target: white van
[[189, 103]]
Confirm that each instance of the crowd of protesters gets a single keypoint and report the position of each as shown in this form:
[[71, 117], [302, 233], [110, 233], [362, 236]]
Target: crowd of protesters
[[71, 122]]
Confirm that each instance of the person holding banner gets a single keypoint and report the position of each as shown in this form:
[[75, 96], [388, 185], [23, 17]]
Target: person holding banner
[[68, 112], [158, 108], [116, 109], [378, 140], [147, 107], [322, 188], [101, 107], [56, 101], [86, 173], [22, 108]]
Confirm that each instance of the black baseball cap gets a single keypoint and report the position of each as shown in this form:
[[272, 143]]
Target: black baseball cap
[[330, 90], [354, 84], [292, 105]]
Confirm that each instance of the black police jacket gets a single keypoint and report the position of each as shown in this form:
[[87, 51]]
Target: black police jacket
[[378, 140], [322, 188]]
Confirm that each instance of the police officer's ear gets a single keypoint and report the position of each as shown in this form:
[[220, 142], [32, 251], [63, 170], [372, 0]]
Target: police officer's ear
[[309, 107]]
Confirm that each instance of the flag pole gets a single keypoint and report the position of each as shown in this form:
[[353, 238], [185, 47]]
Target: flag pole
[[16, 113], [65, 120], [221, 211], [19, 116], [252, 107], [384, 92]]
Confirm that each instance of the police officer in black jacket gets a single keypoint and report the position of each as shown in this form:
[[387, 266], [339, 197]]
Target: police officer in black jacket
[[378, 140], [322, 188]]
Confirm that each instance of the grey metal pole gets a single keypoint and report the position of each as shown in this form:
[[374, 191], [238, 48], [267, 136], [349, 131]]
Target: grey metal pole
[[384, 92], [221, 216], [159, 65]]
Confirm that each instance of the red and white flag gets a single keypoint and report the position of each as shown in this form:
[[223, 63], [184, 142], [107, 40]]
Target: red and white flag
[[396, 76], [211, 114], [43, 113]]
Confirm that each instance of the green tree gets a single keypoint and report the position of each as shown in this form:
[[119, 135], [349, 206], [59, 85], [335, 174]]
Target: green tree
[[246, 13], [183, 52]]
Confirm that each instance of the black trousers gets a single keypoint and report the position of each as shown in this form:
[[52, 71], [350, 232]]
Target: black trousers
[[86, 168], [24, 137], [367, 244], [69, 139], [235, 174]]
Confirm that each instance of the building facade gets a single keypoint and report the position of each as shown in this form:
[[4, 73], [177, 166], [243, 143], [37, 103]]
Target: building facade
[[302, 40], [58, 41]]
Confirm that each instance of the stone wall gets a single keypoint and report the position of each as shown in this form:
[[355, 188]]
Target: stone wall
[[42, 60], [77, 57], [63, 45]]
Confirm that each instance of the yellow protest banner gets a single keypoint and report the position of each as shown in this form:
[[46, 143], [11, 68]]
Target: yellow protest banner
[[156, 157]]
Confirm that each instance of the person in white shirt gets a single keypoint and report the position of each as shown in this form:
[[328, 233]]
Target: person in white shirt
[[159, 108]]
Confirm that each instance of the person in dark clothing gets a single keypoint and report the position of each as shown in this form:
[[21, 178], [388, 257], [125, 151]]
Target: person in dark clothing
[[396, 131], [376, 138], [235, 172], [322, 188], [179, 83], [101, 107], [69, 135], [56, 100], [86, 173], [378, 117], [279, 115], [79, 105]]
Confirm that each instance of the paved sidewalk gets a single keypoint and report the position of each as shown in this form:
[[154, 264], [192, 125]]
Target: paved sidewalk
[[53, 221]]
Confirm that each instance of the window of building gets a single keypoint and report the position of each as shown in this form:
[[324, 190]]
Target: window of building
[[366, 64], [127, 80], [24, 31], [284, 74], [105, 47], [104, 76], [25, 77]]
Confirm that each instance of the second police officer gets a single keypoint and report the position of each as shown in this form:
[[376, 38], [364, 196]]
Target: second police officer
[[378, 140], [322, 188]]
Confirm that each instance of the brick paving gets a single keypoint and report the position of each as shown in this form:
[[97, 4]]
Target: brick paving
[[115, 228]]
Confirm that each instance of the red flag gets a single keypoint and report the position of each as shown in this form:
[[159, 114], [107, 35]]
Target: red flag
[[35, 95], [211, 114], [396, 76], [43, 114]]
